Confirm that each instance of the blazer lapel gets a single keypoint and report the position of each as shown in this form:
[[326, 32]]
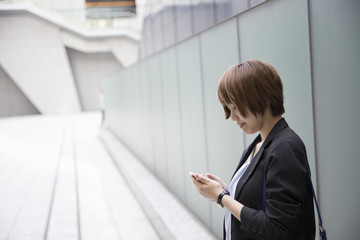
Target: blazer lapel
[[248, 172], [246, 154], [281, 124]]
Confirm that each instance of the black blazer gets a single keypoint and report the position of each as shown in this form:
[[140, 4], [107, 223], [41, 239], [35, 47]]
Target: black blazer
[[281, 163]]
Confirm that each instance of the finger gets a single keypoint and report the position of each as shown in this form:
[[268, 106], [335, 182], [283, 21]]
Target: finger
[[196, 176], [201, 178], [213, 177], [192, 177], [196, 182]]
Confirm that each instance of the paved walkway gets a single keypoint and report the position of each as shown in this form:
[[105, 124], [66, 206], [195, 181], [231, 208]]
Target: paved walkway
[[58, 182]]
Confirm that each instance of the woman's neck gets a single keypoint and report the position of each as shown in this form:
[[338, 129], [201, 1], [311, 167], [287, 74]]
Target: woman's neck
[[268, 124]]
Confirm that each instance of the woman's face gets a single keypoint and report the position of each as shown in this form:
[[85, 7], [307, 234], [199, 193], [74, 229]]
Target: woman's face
[[250, 124]]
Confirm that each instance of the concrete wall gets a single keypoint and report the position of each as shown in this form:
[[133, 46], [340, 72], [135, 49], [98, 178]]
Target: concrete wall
[[12, 100], [88, 70], [47, 66], [33, 56], [166, 111]]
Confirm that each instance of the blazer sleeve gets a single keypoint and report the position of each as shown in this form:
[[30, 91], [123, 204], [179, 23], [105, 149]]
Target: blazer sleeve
[[285, 184]]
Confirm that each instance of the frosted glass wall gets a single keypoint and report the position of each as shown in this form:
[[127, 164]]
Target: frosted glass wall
[[225, 142], [165, 108], [170, 21], [336, 59], [277, 32]]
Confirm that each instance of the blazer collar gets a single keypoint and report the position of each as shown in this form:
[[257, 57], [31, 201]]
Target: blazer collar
[[281, 124]]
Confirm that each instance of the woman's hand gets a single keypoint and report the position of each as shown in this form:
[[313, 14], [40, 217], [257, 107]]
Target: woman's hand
[[210, 187], [207, 187], [217, 179]]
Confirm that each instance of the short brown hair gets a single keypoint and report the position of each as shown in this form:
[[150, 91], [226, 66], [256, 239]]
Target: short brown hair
[[251, 86]]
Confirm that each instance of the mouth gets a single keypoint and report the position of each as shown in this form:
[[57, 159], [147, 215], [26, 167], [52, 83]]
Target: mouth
[[241, 124]]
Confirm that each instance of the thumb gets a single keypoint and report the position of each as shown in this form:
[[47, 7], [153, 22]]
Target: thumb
[[213, 177], [202, 178]]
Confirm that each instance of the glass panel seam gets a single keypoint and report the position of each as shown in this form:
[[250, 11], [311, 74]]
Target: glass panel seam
[[180, 116], [204, 115]]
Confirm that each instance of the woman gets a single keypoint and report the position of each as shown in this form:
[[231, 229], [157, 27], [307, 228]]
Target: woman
[[270, 195]]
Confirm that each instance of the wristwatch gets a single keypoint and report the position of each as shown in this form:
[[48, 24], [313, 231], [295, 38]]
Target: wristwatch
[[221, 195]]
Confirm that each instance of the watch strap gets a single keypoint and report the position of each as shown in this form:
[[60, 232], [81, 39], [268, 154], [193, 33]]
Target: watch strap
[[220, 197]]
